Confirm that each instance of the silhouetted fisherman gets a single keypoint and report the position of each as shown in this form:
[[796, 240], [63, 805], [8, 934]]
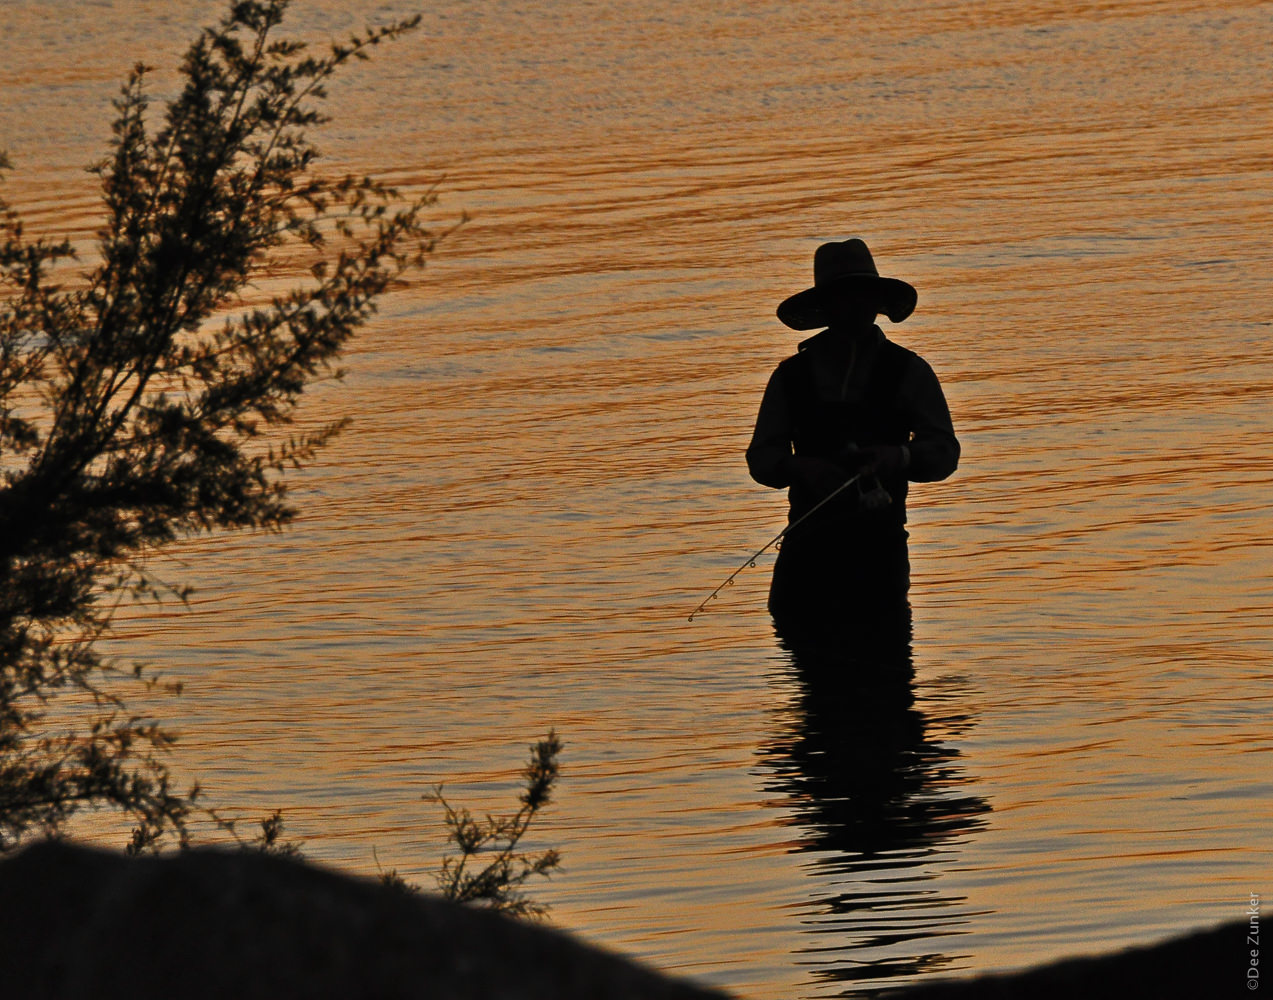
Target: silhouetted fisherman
[[849, 401]]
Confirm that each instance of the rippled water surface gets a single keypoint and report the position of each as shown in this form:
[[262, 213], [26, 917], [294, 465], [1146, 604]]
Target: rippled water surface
[[545, 475]]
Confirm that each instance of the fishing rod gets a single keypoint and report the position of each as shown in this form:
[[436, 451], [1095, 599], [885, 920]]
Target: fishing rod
[[751, 560]]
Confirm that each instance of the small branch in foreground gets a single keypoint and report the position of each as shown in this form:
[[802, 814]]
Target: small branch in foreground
[[492, 843]]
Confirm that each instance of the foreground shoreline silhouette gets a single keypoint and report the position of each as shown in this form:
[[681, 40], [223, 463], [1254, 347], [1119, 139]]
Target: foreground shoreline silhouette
[[82, 923]]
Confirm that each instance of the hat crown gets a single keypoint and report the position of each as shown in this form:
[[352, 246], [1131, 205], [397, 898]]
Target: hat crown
[[842, 271], [849, 259]]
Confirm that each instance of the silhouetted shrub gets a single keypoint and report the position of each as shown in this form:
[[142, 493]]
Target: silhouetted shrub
[[138, 390], [490, 871]]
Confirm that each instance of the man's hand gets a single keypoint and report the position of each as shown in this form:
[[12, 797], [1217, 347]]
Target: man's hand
[[817, 476], [882, 459]]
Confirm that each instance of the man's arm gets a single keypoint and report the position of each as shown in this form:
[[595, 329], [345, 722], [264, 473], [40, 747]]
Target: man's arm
[[769, 454], [934, 449]]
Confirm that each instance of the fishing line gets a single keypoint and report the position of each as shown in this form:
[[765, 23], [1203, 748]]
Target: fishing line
[[751, 560]]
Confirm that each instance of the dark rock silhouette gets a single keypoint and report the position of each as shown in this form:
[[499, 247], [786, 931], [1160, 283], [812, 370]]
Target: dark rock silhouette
[[77, 922], [1199, 966]]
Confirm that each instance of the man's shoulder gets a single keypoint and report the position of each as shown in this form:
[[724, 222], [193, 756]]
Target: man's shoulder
[[807, 350], [910, 361], [899, 350], [794, 362]]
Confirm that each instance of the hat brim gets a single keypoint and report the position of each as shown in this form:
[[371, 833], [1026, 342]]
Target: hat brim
[[807, 310]]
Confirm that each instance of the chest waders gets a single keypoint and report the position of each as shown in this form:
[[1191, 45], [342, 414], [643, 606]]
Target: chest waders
[[832, 429], [848, 556]]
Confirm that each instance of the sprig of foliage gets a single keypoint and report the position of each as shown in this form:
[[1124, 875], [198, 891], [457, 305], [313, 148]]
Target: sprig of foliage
[[135, 395], [489, 870]]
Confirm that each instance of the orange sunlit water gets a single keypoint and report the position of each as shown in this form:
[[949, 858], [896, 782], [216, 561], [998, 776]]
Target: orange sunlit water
[[545, 471]]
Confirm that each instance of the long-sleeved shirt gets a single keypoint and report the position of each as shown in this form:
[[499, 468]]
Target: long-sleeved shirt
[[842, 367]]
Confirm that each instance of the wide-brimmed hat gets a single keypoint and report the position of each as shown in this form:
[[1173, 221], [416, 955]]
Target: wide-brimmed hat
[[846, 270]]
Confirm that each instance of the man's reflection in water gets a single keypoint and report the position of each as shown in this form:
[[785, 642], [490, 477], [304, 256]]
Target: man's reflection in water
[[881, 799]]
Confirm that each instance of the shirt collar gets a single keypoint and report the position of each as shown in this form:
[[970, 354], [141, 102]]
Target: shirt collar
[[873, 338]]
